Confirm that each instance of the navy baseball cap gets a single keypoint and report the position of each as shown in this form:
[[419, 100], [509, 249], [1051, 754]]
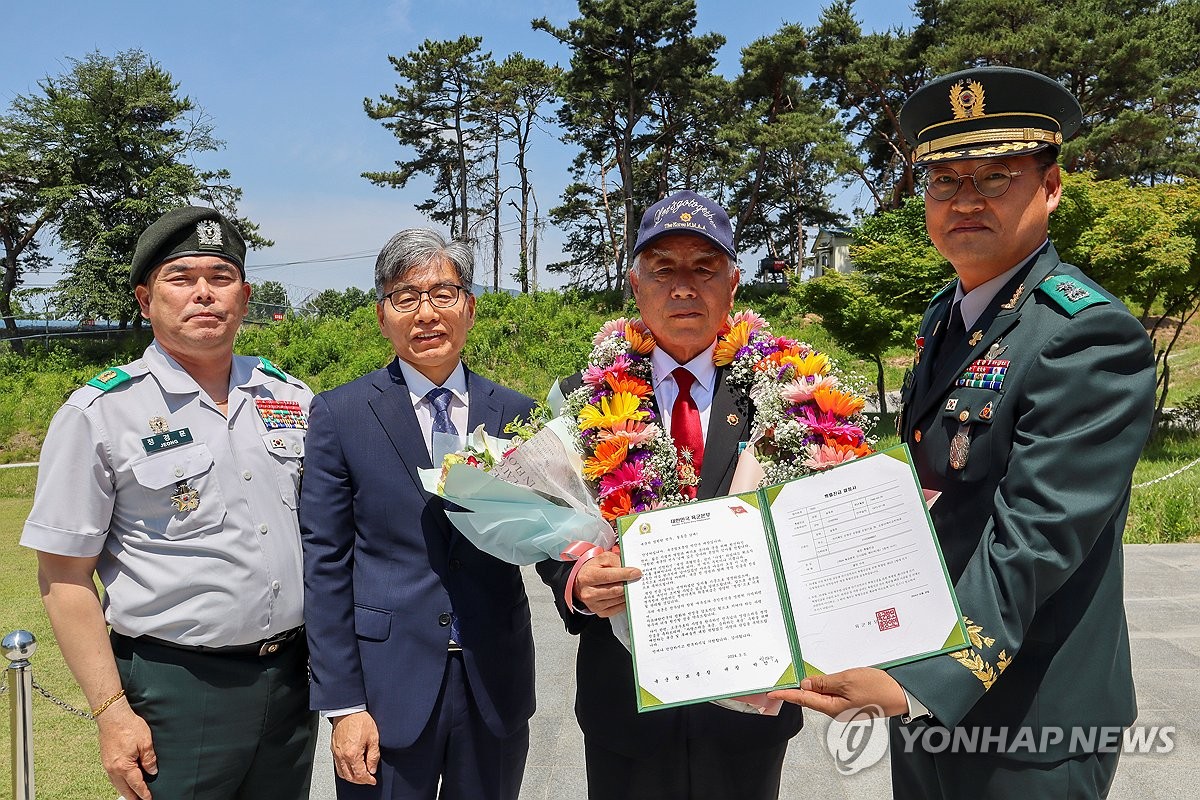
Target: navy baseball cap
[[686, 212]]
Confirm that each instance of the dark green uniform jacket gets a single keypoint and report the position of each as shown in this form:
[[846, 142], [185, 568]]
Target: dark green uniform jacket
[[1034, 459]]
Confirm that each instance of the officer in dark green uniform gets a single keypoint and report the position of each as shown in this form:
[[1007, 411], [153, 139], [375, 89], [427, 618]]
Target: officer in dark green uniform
[[1027, 407]]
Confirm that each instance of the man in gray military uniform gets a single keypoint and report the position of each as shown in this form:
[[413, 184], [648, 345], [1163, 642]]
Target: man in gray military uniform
[[176, 480]]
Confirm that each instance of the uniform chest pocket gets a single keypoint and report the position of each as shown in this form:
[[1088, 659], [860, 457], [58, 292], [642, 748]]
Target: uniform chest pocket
[[966, 422], [183, 495], [286, 446]]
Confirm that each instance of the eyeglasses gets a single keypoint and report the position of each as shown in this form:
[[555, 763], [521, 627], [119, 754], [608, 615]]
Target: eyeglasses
[[991, 180], [444, 295]]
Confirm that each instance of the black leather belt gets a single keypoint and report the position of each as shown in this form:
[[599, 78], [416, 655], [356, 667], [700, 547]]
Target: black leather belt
[[265, 647]]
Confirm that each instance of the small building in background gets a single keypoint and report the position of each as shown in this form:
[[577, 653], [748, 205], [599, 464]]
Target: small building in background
[[831, 251]]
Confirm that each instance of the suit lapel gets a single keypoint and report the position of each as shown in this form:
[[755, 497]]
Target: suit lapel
[[394, 410], [724, 436], [483, 408]]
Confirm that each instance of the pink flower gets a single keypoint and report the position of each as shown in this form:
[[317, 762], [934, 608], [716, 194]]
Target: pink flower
[[828, 425], [627, 476], [638, 433], [595, 376], [608, 329], [823, 456], [801, 390], [753, 320]]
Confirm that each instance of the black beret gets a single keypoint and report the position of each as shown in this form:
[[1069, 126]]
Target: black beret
[[985, 112], [187, 231]]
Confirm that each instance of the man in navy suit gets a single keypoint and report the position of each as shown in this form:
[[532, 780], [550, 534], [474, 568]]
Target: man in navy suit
[[421, 645]]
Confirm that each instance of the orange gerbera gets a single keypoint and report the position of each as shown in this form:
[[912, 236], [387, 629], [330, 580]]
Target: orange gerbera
[[836, 402], [622, 406], [624, 382], [607, 456], [729, 344], [617, 504], [775, 362], [848, 449], [640, 339]]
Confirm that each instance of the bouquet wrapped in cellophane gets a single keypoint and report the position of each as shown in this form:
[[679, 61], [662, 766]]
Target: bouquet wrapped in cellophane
[[524, 499]]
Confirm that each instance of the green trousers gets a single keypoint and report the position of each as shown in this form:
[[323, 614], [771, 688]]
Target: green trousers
[[224, 727]]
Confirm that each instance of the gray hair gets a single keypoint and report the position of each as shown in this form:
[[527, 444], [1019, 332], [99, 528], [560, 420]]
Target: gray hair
[[414, 248]]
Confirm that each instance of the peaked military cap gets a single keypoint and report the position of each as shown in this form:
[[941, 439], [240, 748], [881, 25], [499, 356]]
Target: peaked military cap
[[686, 212], [985, 112], [187, 231]]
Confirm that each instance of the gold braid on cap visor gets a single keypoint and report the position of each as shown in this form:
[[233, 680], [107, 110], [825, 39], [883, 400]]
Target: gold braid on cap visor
[[982, 137]]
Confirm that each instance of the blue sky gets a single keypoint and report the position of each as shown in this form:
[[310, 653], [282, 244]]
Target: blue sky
[[283, 84]]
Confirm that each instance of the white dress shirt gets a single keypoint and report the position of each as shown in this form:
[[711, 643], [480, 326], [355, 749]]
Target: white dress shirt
[[666, 390]]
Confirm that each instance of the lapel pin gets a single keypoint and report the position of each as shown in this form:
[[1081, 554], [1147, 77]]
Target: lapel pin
[[1012, 301], [732, 419], [976, 338], [159, 425]]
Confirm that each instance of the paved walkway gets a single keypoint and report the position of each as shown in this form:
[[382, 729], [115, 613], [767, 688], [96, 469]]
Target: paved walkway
[[1162, 600]]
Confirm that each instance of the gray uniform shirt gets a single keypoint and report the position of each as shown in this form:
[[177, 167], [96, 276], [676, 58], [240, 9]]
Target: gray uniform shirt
[[228, 572]]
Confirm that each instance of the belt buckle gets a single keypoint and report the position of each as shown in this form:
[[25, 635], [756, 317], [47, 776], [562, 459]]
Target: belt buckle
[[271, 646]]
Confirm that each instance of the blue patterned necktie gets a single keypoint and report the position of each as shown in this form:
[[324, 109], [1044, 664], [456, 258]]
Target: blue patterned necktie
[[439, 398]]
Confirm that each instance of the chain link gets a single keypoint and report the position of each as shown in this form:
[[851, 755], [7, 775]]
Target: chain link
[[1169, 475], [62, 703]]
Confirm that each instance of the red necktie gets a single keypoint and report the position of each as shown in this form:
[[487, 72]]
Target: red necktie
[[685, 427]]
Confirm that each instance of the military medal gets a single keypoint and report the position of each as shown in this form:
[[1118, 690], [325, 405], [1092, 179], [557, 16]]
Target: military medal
[[985, 373], [687, 469], [960, 446], [281, 414], [159, 425], [920, 349], [185, 498]]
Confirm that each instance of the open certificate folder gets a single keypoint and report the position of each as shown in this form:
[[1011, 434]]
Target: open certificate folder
[[751, 592]]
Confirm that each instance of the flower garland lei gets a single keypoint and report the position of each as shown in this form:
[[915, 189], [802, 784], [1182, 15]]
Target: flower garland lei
[[804, 420]]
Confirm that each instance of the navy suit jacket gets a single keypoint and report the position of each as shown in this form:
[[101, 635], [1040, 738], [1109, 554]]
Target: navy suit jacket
[[383, 567], [605, 694]]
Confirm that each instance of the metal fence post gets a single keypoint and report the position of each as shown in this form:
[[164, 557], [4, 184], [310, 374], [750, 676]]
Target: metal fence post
[[18, 646]]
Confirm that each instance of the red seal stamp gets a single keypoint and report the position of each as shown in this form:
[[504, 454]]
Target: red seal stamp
[[887, 619]]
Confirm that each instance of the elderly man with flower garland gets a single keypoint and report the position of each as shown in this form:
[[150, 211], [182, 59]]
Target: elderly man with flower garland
[[684, 278], [1027, 408]]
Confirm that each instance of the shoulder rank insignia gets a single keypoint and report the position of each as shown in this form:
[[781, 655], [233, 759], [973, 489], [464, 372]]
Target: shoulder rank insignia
[[271, 369], [109, 379], [1070, 294]]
